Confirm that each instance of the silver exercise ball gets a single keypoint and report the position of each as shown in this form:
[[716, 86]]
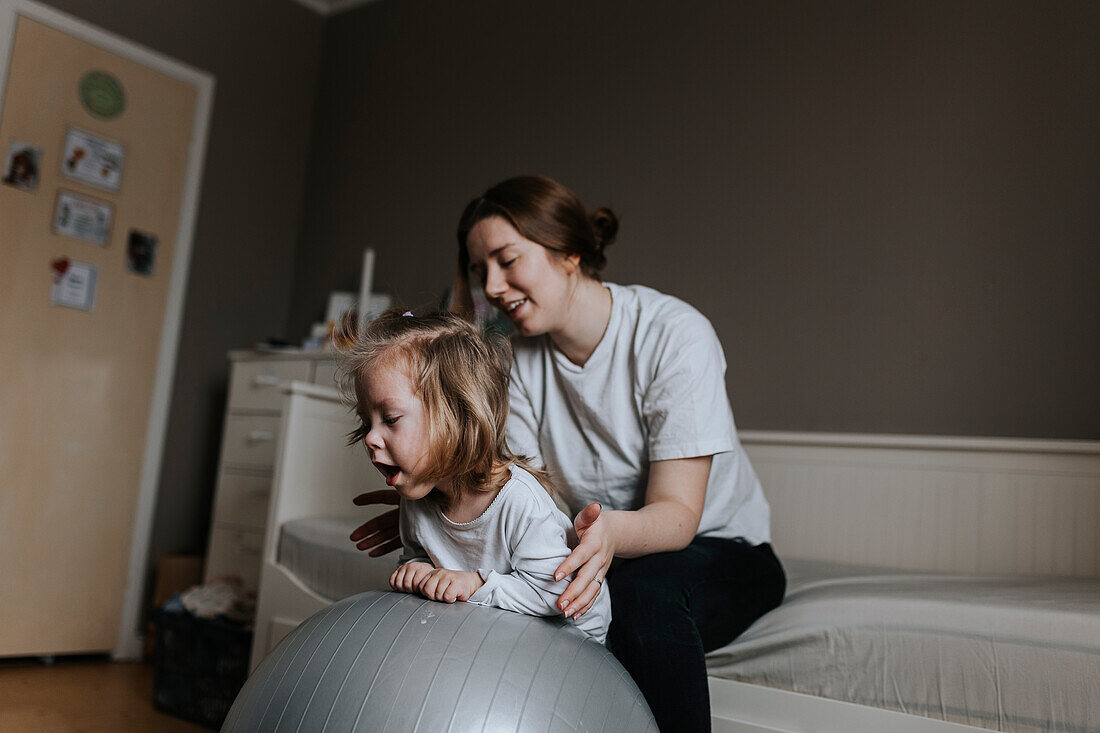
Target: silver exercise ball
[[397, 662]]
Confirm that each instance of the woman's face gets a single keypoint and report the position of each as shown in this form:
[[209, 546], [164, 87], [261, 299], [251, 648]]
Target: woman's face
[[529, 283]]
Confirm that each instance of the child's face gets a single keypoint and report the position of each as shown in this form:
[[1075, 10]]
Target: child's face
[[397, 428]]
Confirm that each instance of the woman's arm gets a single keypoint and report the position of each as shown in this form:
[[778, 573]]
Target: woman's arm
[[673, 506], [674, 498]]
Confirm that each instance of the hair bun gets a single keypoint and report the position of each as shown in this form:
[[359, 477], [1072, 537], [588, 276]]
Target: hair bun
[[605, 225]]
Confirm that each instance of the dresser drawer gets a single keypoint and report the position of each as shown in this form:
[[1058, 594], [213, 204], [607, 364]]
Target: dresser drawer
[[235, 552], [256, 385], [250, 440], [242, 499]]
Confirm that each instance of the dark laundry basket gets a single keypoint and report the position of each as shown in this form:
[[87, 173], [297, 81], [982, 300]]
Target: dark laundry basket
[[199, 667]]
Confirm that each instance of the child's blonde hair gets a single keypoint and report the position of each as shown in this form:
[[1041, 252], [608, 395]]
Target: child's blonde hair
[[460, 374]]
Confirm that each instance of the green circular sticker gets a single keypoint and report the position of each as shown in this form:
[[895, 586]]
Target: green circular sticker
[[101, 94]]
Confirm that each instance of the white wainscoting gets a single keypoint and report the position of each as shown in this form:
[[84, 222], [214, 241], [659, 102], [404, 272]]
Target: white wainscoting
[[954, 505]]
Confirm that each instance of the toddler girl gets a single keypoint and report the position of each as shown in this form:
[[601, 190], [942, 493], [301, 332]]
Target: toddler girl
[[476, 522]]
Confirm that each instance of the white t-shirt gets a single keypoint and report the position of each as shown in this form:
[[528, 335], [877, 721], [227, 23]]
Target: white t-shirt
[[654, 389], [515, 545]]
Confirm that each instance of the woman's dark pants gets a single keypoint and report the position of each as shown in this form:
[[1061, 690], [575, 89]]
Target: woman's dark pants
[[670, 608]]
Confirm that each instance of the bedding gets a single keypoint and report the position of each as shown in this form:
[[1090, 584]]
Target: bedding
[[318, 552], [1005, 653]]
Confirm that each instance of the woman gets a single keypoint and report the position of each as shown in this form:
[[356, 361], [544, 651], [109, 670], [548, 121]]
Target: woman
[[620, 392]]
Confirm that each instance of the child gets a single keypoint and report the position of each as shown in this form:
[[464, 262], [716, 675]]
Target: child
[[477, 523]]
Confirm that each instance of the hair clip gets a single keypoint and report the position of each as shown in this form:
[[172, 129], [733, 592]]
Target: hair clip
[[407, 313]]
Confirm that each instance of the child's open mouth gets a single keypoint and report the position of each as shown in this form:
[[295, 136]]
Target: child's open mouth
[[390, 472]]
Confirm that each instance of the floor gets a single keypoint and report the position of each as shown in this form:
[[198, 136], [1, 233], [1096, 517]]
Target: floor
[[81, 695]]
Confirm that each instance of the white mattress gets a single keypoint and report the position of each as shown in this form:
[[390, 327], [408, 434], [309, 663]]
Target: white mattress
[[1012, 654], [319, 553]]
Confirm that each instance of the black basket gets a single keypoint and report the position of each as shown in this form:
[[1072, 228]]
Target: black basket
[[200, 666]]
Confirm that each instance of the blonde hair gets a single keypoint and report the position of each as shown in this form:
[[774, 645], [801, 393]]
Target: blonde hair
[[461, 376]]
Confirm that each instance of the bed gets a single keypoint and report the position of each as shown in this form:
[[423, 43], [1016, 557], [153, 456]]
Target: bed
[[988, 616], [999, 652]]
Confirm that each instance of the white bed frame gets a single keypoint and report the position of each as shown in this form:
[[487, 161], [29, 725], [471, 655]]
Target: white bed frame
[[952, 505], [316, 474]]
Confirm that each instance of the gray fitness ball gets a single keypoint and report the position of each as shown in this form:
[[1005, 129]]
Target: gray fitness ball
[[396, 662]]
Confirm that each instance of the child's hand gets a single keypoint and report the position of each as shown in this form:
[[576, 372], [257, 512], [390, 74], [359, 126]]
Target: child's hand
[[408, 577], [450, 585]]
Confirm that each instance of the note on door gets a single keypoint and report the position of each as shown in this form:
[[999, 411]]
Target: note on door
[[73, 284]]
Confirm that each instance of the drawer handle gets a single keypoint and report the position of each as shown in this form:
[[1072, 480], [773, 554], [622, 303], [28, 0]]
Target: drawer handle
[[265, 380], [260, 436], [244, 549], [258, 492]]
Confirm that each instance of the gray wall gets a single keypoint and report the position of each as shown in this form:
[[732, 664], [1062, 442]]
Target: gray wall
[[888, 210], [265, 56]]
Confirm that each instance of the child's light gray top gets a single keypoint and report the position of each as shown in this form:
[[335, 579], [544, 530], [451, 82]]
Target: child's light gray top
[[515, 545]]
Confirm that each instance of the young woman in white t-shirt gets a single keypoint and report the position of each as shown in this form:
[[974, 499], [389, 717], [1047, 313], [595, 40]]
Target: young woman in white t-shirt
[[620, 393]]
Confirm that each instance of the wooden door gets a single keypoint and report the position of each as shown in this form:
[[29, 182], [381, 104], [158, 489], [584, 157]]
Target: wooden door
[[77, 385]]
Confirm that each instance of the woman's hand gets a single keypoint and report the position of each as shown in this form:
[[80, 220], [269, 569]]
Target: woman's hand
[[381, 532], [408, 577], [593, 555], [449, 585]]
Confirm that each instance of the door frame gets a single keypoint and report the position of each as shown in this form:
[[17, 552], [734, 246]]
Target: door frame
[[129, 641]]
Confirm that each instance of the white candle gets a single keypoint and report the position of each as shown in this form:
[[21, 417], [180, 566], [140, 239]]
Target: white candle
[[367, 277]]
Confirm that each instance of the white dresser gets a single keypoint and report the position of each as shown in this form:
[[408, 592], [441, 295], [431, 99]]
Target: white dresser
[[249, 440]]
